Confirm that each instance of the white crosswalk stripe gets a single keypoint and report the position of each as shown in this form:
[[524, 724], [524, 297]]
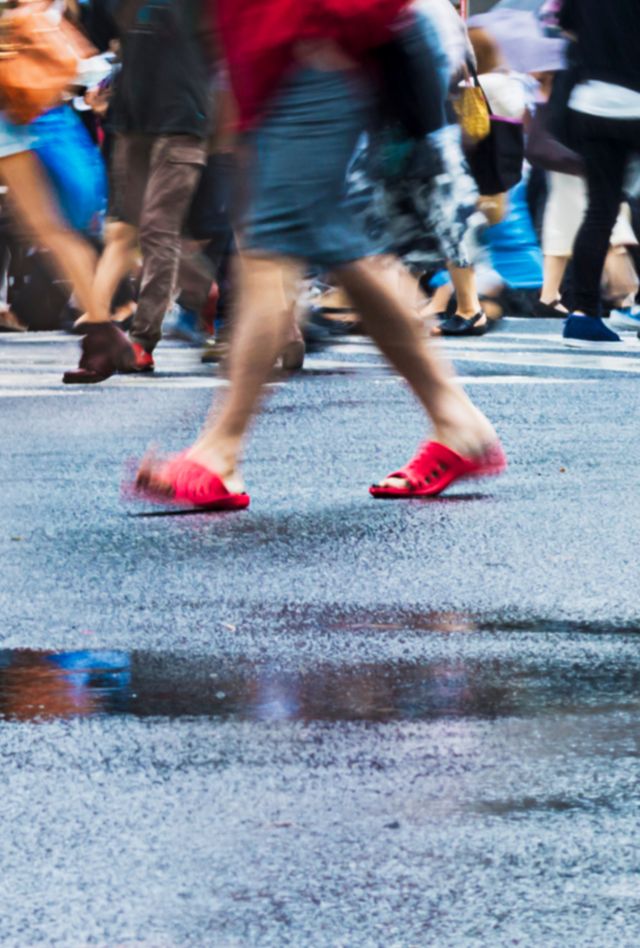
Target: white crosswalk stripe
[[520, 353]]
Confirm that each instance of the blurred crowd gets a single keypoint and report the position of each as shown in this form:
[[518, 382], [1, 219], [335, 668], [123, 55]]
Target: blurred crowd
[[101, 166], [197, 148]]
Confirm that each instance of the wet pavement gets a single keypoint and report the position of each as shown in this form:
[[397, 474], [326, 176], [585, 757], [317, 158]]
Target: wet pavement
[[327, 721]]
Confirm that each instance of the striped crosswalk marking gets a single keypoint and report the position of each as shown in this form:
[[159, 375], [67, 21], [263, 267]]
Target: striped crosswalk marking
[[31, 366]]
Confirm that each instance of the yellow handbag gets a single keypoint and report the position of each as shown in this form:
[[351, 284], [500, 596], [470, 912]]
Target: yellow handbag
[[39, 57], [472, 109]]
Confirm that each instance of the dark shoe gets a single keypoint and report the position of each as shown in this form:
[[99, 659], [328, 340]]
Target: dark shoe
[[339, 321], [105, 351], [476, 325], [9, 322], [549, 310], [124, 324], [142, 361], [587, 332]]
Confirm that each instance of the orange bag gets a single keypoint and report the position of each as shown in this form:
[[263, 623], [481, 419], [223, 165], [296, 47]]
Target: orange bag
[[39, 58]]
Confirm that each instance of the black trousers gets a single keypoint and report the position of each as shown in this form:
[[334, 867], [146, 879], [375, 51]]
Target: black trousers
[[606, 146]]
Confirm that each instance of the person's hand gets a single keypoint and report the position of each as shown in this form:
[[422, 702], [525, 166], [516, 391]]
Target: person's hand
[[98, 100]]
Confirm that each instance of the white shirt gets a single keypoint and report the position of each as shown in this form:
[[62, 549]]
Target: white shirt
[[605, 100], [506, 92]]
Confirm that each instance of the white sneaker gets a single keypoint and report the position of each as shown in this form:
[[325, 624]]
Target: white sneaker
[[628, 317]]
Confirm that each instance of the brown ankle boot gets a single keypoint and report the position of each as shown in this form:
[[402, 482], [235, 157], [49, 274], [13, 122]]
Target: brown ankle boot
[[105, 351]]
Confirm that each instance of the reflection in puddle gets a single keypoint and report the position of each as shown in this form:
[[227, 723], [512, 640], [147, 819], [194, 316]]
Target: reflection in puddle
[[48, 685], [45, 685]]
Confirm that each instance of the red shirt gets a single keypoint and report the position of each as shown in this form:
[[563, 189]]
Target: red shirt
[[258, 37]]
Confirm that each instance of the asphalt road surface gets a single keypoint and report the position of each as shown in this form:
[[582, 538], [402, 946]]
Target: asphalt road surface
[[327, 721]]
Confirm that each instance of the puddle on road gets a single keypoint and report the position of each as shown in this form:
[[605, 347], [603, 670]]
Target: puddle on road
[[41, 686]]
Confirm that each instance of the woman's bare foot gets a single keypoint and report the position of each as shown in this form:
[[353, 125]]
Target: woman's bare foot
[[222, 462], [468, 433]]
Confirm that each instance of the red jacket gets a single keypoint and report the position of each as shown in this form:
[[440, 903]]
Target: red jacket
[[258, 36]]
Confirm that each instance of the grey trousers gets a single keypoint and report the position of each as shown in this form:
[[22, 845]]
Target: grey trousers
[[155, 179]]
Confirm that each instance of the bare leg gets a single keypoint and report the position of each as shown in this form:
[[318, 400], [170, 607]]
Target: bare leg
[[264, 314], [259, 333], [457, 422], [401, 283], [116, 263], [554, 271], [467, 299], [32, 199]]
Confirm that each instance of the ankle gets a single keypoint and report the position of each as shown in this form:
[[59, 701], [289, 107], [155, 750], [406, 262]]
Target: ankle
[[219, 456], [463, 427]]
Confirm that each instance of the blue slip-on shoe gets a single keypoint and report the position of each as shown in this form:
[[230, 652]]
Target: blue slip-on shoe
[[627, 317], [587, 332]]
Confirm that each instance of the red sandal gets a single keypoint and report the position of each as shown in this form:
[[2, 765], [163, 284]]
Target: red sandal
[[435, 467], [182, 481]]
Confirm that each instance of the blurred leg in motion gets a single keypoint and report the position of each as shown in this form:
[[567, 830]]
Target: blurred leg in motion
[[115, 264], [391, 323], [105, 349], [554, 271], [259, 333], [174, 170], [464, 282], [263, 319], [36, 209], [298, 213]]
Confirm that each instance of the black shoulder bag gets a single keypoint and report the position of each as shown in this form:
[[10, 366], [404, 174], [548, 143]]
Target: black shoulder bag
[[496, 161]]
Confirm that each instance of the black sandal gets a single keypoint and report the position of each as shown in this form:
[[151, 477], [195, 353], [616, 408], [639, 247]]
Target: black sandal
[[549, 310], [459, 326]]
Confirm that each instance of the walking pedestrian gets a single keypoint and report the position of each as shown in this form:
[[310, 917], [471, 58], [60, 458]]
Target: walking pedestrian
[[162, 120], [304, 95], [605, 112], [35, 207]]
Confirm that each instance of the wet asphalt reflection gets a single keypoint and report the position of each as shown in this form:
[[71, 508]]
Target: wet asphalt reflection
[[330, 722], [42, 686]]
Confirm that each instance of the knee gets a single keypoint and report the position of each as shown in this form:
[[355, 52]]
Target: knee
[[121, 234]]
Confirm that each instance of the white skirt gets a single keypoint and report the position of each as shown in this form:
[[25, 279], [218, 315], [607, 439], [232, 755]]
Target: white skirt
[[564, 213]]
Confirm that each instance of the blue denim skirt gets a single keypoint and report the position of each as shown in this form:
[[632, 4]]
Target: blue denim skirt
[[74, 165], [301, 151]]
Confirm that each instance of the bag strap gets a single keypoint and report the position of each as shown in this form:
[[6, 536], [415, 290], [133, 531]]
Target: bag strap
[[470, 72]]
